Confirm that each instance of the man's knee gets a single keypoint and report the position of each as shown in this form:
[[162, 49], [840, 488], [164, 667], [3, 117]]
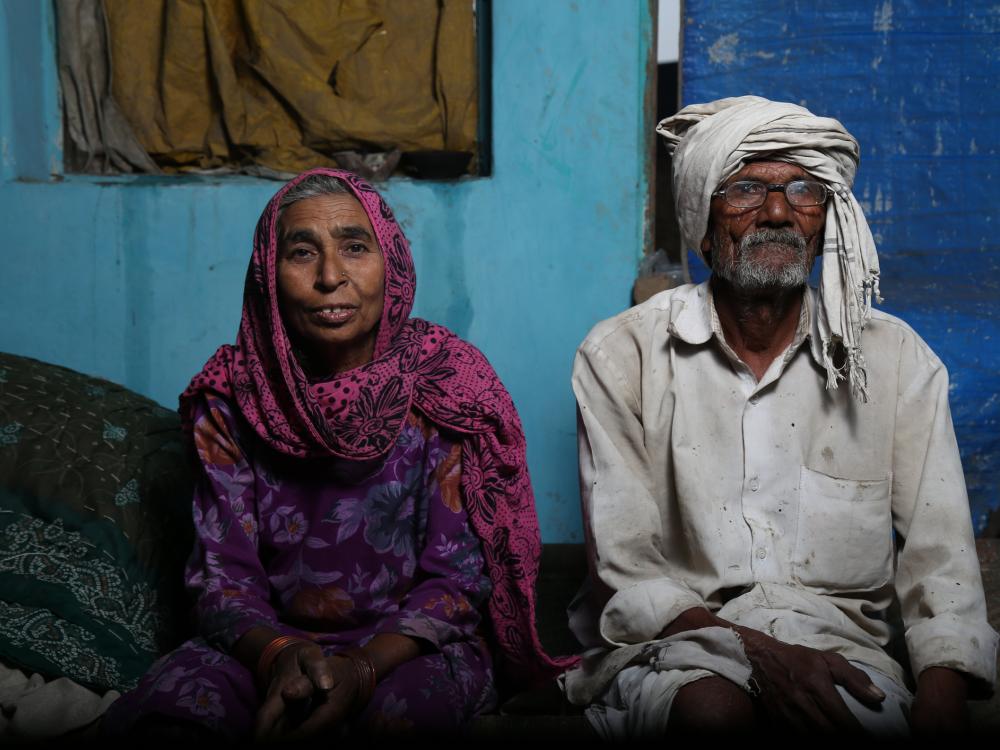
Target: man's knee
[[711, 704]]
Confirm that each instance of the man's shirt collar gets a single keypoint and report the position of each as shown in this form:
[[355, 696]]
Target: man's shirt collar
[[694, 320]]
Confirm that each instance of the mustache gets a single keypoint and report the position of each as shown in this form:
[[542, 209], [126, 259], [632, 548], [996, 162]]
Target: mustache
[[773, 237]]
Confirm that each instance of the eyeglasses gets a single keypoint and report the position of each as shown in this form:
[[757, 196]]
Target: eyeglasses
[[752, 194]]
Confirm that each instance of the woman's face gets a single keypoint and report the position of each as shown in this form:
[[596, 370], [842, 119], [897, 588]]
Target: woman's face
[[331, 281]]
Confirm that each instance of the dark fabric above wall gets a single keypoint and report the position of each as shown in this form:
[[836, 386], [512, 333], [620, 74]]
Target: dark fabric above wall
[[97, 137], [95, 526], [285, 86]]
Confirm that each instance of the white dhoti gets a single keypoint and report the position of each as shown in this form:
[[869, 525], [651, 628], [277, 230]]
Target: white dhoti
[[637, 702]]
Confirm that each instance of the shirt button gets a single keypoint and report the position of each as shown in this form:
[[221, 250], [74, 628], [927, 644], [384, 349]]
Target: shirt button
[[761, 553], [754, 400], [754, 485]]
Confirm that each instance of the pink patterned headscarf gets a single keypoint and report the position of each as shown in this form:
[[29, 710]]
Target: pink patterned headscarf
[[359, 414]]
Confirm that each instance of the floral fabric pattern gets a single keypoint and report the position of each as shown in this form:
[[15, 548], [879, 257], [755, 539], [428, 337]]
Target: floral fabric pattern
[[345, 560]]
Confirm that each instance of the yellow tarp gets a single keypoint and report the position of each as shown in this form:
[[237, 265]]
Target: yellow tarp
[[286, 83]]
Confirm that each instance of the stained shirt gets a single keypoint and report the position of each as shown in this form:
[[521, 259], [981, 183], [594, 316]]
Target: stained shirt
[[805, 512], [337, 550]]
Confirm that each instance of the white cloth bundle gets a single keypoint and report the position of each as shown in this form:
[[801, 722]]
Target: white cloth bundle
[[711, 142]]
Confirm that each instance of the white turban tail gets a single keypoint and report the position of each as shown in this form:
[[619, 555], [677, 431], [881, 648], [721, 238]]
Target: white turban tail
[[711, 142]]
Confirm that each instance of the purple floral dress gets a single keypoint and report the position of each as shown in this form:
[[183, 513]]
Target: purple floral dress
[[332, 551]]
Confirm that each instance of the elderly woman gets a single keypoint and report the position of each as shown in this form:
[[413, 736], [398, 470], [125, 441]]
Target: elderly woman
[[366, 534]]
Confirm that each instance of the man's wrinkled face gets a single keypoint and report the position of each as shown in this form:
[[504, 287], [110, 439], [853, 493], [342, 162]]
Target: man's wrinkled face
[[771, 247]]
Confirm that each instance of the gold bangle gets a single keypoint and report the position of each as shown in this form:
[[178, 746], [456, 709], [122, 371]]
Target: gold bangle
[[270, 653], [364, 668]]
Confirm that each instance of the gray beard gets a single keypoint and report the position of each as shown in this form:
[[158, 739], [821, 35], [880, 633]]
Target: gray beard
[[751, 275]]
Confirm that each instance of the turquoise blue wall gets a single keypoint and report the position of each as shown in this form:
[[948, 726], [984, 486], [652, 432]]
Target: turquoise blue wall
[[140, 279]]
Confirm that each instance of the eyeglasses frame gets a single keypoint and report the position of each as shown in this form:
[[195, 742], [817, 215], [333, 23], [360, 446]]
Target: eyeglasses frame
[[774, 187]]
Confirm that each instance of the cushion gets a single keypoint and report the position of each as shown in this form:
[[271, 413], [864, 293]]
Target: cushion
[[95, 526]]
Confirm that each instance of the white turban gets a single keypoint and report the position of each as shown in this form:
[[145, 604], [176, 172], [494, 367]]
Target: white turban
[[711, 142]]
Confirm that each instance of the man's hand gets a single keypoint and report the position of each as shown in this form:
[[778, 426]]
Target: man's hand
[[798, 684], [307, 693], [940, 703]]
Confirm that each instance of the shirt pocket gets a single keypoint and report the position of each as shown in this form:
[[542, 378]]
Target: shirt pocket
[[844, 535]]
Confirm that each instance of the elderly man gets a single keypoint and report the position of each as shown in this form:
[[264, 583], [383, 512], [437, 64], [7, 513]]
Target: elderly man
[[767, 491]]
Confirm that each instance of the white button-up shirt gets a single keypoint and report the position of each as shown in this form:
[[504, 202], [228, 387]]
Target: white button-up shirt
[[803, 512]]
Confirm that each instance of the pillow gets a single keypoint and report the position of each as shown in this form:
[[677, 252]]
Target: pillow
[[95, 526]]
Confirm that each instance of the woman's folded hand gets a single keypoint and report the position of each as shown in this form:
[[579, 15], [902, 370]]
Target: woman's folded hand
[[307, 693]]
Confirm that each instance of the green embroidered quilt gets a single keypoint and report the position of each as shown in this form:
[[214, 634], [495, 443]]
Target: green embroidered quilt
[[95, 525]]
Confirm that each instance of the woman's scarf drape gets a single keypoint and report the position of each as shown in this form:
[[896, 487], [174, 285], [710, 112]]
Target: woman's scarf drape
[[358, 414], [711, 142]]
